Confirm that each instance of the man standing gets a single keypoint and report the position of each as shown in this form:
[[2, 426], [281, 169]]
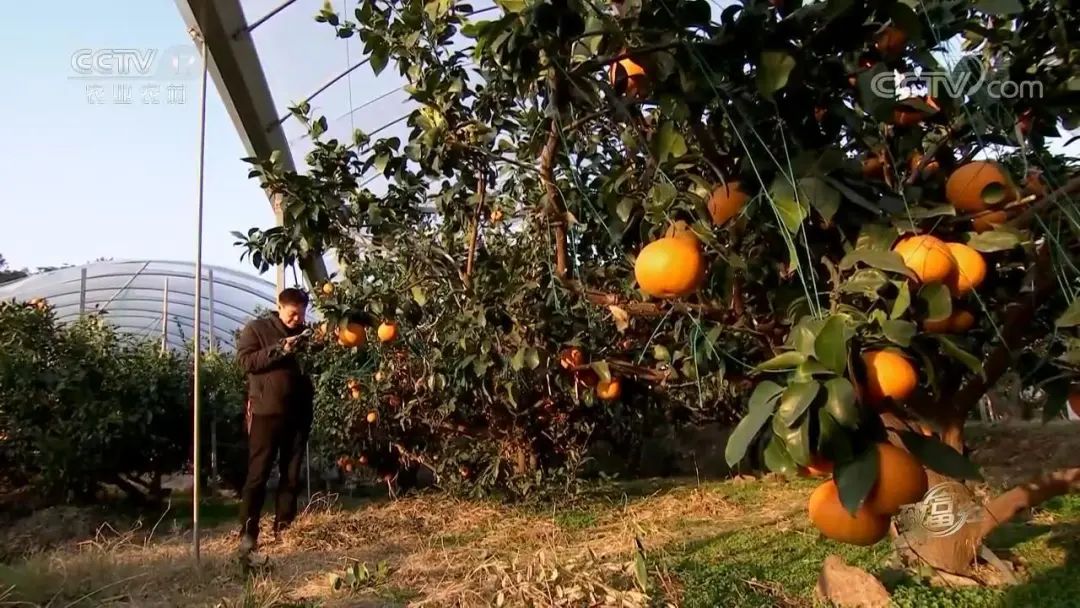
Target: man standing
[[281, 398]]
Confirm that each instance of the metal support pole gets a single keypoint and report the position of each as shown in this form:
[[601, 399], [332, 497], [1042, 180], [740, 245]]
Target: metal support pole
[[213, 349], [82, 292], [165, 317], [197, 398], [307, 459], [279, 217]]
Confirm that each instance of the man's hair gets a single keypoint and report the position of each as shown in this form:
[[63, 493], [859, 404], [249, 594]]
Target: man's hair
[[293, 297]]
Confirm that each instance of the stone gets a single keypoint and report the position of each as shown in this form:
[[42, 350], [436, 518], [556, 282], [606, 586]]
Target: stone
[[849, 587]]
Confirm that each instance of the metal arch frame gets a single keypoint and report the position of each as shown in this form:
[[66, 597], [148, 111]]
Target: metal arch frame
[[156, 301], [234, 66], [146, 314]]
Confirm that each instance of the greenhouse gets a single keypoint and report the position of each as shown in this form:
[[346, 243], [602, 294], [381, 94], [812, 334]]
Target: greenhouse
[[152, 298]]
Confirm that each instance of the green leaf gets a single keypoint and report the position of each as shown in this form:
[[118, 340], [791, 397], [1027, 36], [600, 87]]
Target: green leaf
[[418, 295], [625, 208], [856, 478], [804, 334], [899, 332], [865, 281], [940, 457], [602, 370], [840, 402], [777, 458], [961, 355], [773, 71], [792, 211], [1071, 317], [532, 358], [795, 399], [833, 442], [641, 574], [518, 361], [668, 142], [797, 440], [808, 369], [1000, 8], [876, 237], [938, 301], [830, 347], [661, 353], [902, 301], [994, 240], [379, 59], [883, 260], [762, 404], [820, 196], [512, 6], [783, 361]]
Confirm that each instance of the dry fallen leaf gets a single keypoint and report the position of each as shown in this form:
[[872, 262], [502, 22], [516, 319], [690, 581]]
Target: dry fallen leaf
[[622, 318]]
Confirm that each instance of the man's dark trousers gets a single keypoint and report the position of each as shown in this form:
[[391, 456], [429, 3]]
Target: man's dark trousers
[[284, 437]]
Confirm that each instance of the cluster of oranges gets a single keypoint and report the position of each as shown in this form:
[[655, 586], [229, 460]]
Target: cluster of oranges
[[351, 333], [573, 360]]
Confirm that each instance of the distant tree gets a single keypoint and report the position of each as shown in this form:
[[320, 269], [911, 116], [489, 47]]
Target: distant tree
[[6, 275]]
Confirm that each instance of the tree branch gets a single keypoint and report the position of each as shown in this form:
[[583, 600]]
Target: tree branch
[[1030, 494], [481, 189]]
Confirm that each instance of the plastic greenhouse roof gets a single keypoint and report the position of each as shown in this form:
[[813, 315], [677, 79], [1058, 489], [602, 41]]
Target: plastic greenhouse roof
[[132, 297]]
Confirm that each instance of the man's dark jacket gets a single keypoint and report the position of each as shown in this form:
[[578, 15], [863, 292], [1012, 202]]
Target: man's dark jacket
[[276, 384]]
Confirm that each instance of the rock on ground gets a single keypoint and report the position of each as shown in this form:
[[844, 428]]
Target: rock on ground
[[849, 587]]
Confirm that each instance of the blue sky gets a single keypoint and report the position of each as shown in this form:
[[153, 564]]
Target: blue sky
[[131, 169]]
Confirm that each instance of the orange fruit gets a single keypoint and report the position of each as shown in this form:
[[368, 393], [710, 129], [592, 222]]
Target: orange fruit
[[387, 331], [988, 221], [372, 417], [352, 334], [571, 358], [873, 167], [907, 116], [830, 517], [901, 481], [726, 201], [328, 288], [928, 170], [362, 459], [927, 256], [969, 269], [1074, 402], [888, 375], [634, 76], [1033, 183], [818, 467], [609, 390], [940, 326], [978, 185], [670, 267], [891, 41], [496, 216], [961, 321], [355, 393]]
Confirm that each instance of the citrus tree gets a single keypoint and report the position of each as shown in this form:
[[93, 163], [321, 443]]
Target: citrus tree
[[611, 215]]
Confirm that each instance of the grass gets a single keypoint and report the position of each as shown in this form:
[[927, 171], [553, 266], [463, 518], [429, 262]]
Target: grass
[[704, 544]]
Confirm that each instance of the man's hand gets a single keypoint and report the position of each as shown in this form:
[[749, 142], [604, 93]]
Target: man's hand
[[289, 344]]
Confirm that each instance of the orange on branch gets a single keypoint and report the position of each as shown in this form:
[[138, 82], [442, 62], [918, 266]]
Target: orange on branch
[[609, 390], [571, 357], [988, 221], [961, 321], [328, 288], [1074, 402], [352, 334], [979, 185], [372, 417], [901, 481], [891, 41], [387, 331], [907, 116], [670, 267], [928, 170], [927, 256], [726, 201], [969, 270], [629, 72], [830, 517], [818, 467], [888, 375]]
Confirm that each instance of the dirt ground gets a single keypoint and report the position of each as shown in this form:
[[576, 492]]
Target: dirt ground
[[436, 550]]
